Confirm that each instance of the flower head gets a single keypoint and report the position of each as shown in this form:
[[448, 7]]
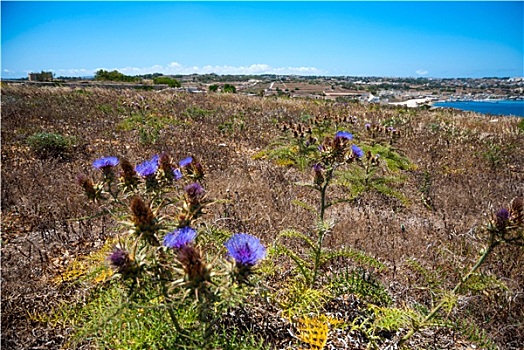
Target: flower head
[[356, 151], [128, 174], [87, 184], [197, 273], [180, 237], [367, 126], [318, 173], [177, 174], [194, 192], [517, 210], [144, 220], [502, 218], [105, 162], [147, 168], [245, 249], [344, 135], [164, 161], [185, 162], [119, 259]]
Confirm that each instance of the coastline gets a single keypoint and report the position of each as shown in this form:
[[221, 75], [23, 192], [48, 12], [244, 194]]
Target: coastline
[[500, 107]]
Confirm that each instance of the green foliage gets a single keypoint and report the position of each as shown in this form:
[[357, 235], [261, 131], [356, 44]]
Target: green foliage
[[315, 256], [361, 283], [361, 180], [235, 124], [213, 88], [232, 339], [228, 88], [290, 152], [430, 279], [475, 334], [149, 126], [110, 321], [394, 160], [520, 125], [493, 155], [196, 113], [392, 319], [50, 145], [115, 76], [481, 283], [298, 299], [424, 189], [105, 108], [171, 82]]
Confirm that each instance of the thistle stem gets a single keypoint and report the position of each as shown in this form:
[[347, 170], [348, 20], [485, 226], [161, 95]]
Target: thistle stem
[[493, 243], [321, 232]]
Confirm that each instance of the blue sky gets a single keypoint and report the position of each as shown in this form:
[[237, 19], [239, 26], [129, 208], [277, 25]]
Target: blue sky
[[400, 39]]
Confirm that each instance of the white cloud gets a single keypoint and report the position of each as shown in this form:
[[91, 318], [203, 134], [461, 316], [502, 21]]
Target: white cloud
[[177, 68], [259, 68], [74, 72], [422, 72]]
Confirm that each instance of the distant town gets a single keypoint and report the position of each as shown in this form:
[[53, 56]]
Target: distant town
[[411, 92]]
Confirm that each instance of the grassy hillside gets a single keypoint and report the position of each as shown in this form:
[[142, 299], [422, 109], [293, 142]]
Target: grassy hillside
[[410, 223]]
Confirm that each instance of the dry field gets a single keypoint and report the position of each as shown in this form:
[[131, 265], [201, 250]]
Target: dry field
[[464, 167]]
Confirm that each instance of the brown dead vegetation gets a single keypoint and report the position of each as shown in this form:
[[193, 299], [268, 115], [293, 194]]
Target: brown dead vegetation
[[466, 166]]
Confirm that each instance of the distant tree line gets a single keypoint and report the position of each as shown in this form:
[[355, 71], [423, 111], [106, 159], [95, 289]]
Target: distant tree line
[[158, 78], [115, 76]]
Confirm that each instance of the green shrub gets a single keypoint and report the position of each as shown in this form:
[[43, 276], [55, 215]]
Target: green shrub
[[167, 80], [50, 145]]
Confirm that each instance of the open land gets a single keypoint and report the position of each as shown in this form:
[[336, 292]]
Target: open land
[[424, 224]]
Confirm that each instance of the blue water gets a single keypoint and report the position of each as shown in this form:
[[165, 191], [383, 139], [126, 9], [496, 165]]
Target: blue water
[[499, 107]]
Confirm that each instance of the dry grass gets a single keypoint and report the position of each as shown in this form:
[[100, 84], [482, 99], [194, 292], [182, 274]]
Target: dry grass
[[466, 166]]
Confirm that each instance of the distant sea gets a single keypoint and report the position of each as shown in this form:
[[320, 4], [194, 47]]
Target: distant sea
[[495, 107]]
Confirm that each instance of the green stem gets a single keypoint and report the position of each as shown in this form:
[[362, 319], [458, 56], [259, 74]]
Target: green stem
[[321, 233], [493, 243]]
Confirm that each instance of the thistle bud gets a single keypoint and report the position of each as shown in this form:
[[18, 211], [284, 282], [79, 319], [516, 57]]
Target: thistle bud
[[88, 186], [128, 175], [194, 267], [144, 220], [502, 219], [121, 261], [516, 210], [165, 167], [318, 174]]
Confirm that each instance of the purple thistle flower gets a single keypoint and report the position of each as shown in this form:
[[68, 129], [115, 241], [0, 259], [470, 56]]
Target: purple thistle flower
[[194, 191], [503, 214], [367, 126], [357, 152], [105, 162], [147, 168], [245, 249], [120, 260], [318, 172], [343, 135], [155, 159], [185, 162], [180, 237], [502, 218], [177, 174]]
